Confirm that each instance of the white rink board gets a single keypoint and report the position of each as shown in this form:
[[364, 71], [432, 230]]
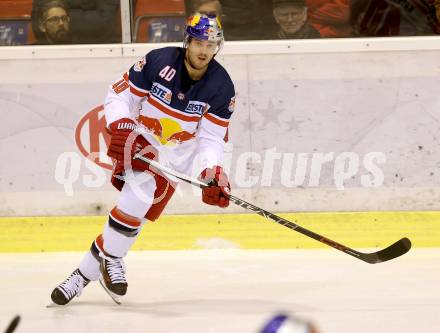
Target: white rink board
[[230, 291], [292, 98]]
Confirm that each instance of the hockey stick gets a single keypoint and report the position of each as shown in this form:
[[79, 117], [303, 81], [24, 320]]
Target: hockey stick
[[13, 325], [393, 251]]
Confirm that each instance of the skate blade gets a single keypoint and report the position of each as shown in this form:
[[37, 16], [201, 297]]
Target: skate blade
[[54, 305], [116, 298]]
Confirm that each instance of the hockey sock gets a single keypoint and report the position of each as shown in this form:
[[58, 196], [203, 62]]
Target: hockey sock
[[119, 235], [89, 266]]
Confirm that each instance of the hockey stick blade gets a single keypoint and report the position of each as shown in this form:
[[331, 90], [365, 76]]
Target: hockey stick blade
[[395, 250]]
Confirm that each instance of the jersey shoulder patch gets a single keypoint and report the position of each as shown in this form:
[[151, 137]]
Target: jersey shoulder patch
[[138, 66]]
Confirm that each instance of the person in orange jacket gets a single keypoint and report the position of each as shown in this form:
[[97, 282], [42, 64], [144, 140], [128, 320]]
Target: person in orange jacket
[[330, 17]]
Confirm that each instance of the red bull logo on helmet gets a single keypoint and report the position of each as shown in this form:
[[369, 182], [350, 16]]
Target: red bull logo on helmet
[[161, 92], [193, 20]]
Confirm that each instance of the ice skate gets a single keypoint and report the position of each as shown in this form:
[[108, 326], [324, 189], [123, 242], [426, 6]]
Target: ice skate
[[113, 279], [70, 288]]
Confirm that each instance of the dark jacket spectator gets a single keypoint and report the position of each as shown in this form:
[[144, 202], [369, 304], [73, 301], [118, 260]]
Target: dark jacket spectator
[[291, 17], [53, 24], [247, 19], [374, 18], [419, 16], [91, 21], [330, 17], [306, 32], [393, 18]]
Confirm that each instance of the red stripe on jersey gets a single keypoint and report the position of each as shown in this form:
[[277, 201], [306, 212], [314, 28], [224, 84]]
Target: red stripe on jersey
[[170, 112], [137, 92], [120, 216], [216, 120]]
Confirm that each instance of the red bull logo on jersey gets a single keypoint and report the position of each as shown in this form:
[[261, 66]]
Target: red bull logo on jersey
[[167, 132], [161, 92], [196, 107]]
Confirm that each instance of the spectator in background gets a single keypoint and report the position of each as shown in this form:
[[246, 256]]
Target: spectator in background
[[53, 24], [436, 4], [208, 7], [393, 18], [423, 16], [91, 21], [374, 18], [330, 17], [247, 19], [437, 9], [291, 16]]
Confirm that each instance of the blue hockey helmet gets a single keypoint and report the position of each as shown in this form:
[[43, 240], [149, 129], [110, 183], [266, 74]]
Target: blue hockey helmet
[[287, 324], [204, 27]]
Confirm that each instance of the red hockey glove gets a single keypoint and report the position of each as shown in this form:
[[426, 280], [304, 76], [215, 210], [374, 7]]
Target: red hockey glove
[[120, 131], [217, 194]]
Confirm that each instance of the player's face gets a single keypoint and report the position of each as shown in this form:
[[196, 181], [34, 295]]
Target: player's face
[[56, 25], [200, 52], [290, 18]]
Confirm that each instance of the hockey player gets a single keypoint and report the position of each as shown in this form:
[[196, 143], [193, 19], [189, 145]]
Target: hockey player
[[180, 100]]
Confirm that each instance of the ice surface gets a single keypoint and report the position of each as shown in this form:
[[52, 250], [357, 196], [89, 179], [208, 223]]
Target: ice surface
[[229, 290]]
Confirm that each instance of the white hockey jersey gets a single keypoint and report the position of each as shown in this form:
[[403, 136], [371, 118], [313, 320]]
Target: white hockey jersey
[[188, 127]]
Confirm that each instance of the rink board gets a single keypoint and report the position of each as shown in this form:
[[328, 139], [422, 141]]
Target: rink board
[[373, 99], [244, 231]]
